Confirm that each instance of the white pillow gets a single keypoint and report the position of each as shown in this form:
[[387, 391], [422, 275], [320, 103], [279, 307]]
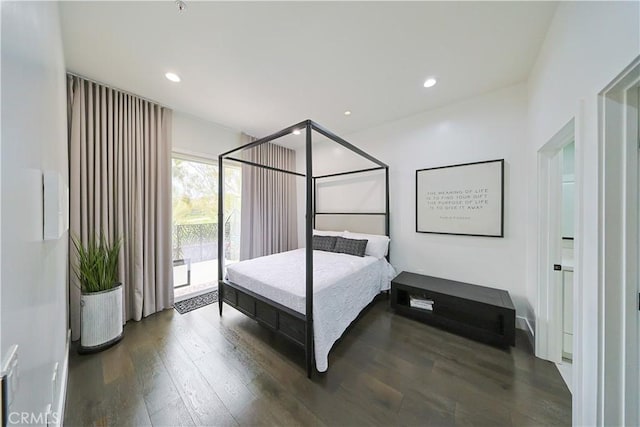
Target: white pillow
[[377, 245], [328, 233]]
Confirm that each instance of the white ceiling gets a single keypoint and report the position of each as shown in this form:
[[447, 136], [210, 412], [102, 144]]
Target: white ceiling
[[260, 66]]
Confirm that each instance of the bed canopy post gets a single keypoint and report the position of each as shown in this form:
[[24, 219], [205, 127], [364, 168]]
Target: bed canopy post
[[386, 208], [309, 253], [315, 210], [220, 229]]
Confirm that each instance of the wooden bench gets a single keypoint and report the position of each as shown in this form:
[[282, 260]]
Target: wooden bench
[[476, 312]]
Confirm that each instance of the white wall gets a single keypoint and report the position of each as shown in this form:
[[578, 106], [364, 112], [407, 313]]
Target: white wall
[[488, 127], [34, 138], [198, 137], [587, 45]]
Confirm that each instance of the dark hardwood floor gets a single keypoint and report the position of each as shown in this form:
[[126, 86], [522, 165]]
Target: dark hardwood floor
[[198, 369]]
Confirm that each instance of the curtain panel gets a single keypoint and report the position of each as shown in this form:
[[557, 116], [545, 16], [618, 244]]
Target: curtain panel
[[120, 185], [268, 205]]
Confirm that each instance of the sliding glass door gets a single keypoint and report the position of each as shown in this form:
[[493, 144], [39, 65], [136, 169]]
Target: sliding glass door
[[195, 223]]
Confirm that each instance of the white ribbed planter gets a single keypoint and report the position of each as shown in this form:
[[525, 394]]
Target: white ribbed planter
[[101, 319]]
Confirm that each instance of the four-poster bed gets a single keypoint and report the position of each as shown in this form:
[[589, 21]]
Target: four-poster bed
[[259, 297]]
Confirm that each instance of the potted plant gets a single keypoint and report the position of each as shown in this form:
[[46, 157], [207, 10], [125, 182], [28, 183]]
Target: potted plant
[[101, 299]]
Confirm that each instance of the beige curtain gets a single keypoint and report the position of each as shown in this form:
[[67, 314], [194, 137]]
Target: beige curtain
[[120, 185], [269, 213]]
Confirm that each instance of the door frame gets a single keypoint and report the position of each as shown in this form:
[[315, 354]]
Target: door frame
[[548, 336], [619, 250]]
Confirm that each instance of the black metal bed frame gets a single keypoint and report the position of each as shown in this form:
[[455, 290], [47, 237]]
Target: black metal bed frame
[[285, 321]]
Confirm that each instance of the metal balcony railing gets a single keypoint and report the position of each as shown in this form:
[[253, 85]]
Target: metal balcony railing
[[197, 242]]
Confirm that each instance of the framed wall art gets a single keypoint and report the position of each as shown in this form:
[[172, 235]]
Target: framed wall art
[[465, 199]]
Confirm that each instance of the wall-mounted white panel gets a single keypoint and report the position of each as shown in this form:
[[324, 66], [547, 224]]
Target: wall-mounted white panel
[[56, 205]]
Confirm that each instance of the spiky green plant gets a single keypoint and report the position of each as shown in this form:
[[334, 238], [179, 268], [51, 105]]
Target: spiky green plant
[[97, 263]]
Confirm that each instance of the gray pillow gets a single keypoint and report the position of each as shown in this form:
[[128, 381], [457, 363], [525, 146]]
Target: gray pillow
[[350, 246], [324, 243]]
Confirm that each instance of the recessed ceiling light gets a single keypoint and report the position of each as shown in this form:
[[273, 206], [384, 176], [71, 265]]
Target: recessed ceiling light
[[430, 82], [296, 132], [173, 77], [347, 113]]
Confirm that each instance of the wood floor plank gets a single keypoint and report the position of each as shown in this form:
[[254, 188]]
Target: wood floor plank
[[228, 346], [281, 398], [173, 414], [122, 405], [482, 412], [227, 384], [200, 369], [116, 363], [373, 390], [261, 413], [427, 408], [204, 406], [158, 389]]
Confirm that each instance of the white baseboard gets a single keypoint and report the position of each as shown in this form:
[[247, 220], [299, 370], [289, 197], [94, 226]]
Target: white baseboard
[[524, 324], [64, 376]]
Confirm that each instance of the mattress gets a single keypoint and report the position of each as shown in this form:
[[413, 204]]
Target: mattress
[[343, 285]]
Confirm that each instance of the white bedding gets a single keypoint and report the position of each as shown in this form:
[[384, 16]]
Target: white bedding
[[343, 286]]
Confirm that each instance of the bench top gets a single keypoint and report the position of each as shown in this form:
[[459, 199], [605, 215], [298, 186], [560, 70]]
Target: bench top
[[483, 294]]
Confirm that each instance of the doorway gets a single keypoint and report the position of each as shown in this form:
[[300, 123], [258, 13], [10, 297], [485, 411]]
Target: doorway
[[619, 250], [195, 223], [554, 326]]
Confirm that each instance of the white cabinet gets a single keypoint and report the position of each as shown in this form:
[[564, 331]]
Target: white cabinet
[[567, 314]]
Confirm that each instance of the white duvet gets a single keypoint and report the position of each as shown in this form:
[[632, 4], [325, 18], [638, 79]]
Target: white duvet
[[343, 286]]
